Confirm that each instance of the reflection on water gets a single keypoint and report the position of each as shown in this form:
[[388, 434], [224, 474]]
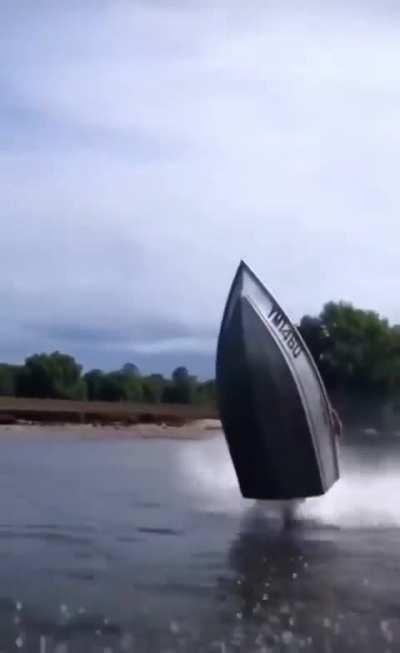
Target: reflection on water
[[315, 588], [136, 546]]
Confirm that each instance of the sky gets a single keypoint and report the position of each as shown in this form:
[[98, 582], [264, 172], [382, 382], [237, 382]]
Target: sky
[[146, 147]]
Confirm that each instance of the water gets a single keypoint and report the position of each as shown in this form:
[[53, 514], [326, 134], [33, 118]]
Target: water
[[110, 545]]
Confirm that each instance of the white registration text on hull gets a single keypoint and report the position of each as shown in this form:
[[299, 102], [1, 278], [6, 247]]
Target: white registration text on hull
[[285, 331]]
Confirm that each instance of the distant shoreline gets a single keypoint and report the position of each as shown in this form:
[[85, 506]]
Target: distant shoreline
[[127, 419], [197, 430]]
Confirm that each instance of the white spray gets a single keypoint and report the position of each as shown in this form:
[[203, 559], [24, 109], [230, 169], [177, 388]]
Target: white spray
[[366, 496]]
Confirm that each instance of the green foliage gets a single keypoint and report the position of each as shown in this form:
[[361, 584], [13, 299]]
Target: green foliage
[[112, 388], [358, 355], [356, 351], [122, 385], [130, 369], [127, 384], [94, 380], [182, 388], [153, 388], [133, 390], [312, 330], [58, 376], [79, 391], [51, 376], [206, 392], [8, 379]]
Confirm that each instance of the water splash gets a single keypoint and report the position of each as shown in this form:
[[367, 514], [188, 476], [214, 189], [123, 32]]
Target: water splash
[[206, 471], [366, 496]]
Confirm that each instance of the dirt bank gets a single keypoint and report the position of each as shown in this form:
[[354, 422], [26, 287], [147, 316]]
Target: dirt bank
[[196, 430], [119, 414]]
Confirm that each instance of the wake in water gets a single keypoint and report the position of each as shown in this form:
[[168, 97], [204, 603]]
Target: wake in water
[[366, 496], [208, 474]]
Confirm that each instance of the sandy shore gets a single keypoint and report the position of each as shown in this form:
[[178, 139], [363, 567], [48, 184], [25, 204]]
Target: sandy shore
[[195, 430]]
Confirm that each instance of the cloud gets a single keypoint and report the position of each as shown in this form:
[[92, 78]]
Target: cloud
[[146, 148], [141, 335]]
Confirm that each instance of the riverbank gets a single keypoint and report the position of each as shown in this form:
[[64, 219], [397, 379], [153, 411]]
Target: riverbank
[[101, 419], [57, 411], [196, 430]]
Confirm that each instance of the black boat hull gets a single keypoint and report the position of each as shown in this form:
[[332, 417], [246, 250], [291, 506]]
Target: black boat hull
[[273, 406]]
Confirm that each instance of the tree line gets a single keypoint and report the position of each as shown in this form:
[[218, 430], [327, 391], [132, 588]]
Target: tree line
[[357, 353], [59, 376]]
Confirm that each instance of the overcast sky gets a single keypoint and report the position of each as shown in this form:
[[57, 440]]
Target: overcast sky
[[146, 147]]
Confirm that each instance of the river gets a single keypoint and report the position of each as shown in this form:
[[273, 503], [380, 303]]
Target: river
[[128, 545]]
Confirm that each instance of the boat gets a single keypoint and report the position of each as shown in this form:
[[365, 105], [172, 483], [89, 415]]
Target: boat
[[273, 405]]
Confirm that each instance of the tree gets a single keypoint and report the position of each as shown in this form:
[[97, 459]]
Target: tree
[[153, 387], [8, 376], [113, 386], [133, 388], [182, 388], [130, 369], [357, 353], [315, 336], [353, 348], [206, 392], [94, 380], [53, 375]]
